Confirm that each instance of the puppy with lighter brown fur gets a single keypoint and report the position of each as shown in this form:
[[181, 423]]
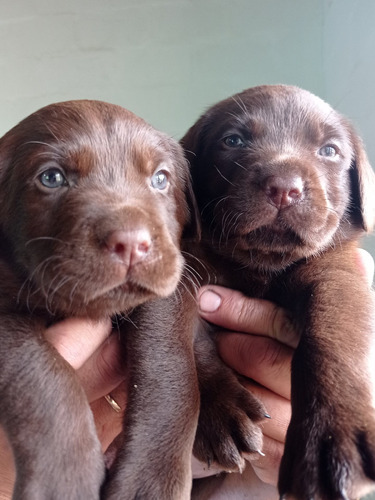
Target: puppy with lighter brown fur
[[93, 203], [285, 192]]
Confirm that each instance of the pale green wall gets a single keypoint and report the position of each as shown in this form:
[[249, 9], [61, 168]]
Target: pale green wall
[[349, 68], [164, 59], [167, 60]]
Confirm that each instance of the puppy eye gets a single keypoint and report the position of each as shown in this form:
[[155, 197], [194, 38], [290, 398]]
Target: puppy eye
[[160, 180], [329, 151], [53, 178], [234, 141]]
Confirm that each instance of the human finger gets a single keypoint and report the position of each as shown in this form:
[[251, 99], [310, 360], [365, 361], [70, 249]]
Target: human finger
[[104, 370], [267, 465], [234, 311], [262, 359], [278, 408], [7, 468], [103, 377], [76, 339], [109, 417], [366, 264]]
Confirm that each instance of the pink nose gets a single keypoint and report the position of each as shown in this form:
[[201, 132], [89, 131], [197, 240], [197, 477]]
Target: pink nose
[[129, 247], [283, 192]]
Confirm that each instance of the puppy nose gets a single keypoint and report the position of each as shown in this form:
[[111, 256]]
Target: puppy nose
[[129, 247], [283, 192]]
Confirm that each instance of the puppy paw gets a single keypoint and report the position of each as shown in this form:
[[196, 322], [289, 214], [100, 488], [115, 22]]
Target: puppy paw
[[328, 457], [228, 424]]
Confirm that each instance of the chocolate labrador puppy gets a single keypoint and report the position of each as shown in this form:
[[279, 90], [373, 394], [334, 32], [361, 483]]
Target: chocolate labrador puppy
[[285, 192], [93, 202]]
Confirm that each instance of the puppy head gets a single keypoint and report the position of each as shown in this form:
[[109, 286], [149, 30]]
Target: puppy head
[[279, 176], [92, 208]]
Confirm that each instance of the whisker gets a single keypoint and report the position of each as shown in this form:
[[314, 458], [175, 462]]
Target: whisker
[[241, 166], [238, 100], [46, 238], [52, 290], [124, 317], [217, 200], [72, 292], [196, 276], [48, 145], [29, 280], [187, 289], [223, 176]]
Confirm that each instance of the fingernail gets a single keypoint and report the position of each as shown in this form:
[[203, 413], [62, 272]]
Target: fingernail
[[209, 301]]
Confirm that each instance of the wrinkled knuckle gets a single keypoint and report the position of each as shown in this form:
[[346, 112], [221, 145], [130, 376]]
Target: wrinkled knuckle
[[282, 327], [276, 321], [245, 310]]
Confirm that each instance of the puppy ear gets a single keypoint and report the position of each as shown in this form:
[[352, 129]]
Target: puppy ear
[[189, 210], [362, 179], [191, 141], [193, 228], [7, 149]]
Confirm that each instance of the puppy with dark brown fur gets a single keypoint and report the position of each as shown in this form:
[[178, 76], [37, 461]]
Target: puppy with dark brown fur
[[92, 209], [285, 191]]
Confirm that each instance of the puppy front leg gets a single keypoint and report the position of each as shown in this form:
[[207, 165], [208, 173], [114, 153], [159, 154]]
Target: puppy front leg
[[47, 418], [330, 445], [161, 416], [229, 415]]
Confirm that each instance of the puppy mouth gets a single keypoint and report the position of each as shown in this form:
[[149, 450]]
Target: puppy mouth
[[267, 248], [143, 279], [273, 238], [104, 290], [299, 226], [271, 227], [274, 243]]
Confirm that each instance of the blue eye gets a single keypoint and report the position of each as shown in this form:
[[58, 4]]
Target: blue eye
[[234, 141], [53, 178], [329, 151], [160, 180]]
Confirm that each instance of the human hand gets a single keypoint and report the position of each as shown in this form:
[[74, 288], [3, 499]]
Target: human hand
[[258, 342]]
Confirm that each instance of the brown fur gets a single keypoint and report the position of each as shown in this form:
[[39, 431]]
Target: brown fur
[[285, 191], [86, 231]]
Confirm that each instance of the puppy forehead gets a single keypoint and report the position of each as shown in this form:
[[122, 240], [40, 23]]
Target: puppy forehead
[[123, 144], [283, 110], [85, 134]]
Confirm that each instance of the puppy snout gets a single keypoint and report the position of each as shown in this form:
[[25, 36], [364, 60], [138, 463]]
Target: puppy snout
[[283, 192], [129, 247]]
